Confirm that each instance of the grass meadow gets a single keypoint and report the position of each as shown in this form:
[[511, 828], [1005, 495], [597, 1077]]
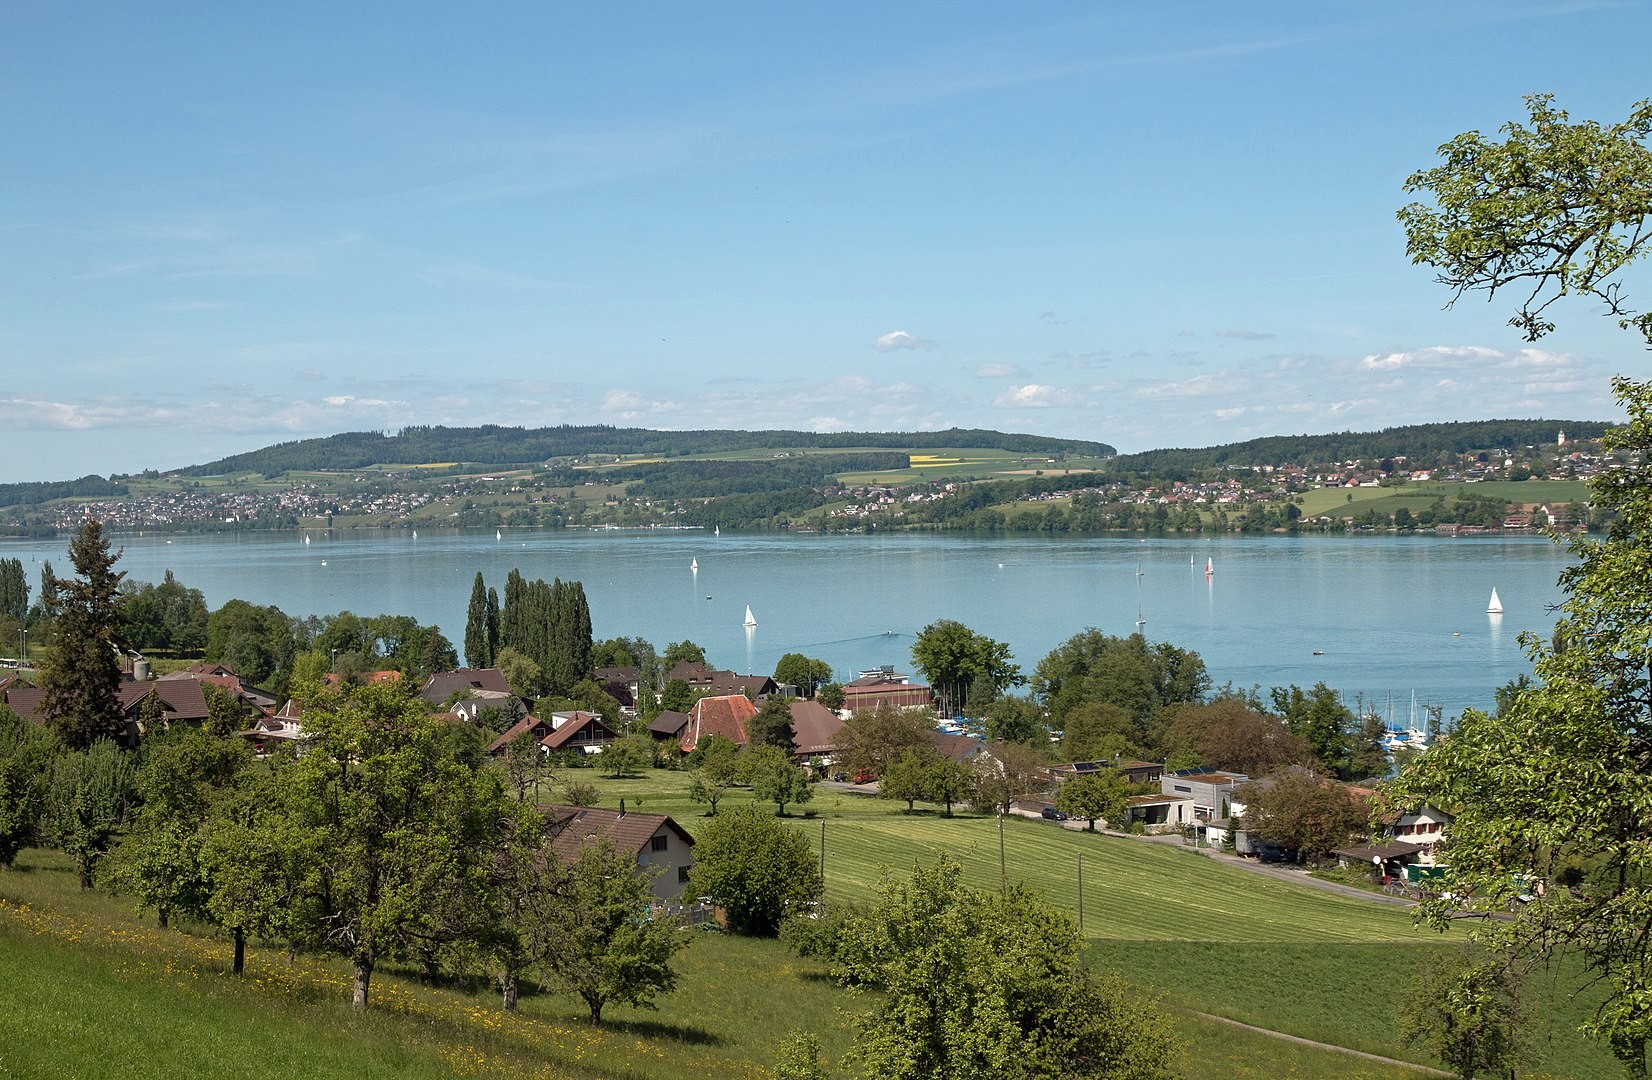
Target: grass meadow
[[90, 988]]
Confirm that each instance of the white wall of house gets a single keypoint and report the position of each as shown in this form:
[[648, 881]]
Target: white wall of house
[[672, 856]]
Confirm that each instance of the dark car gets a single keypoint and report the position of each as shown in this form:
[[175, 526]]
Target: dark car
[[1052, 814]]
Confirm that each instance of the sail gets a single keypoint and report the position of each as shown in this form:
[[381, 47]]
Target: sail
[[694, 564], [751, 620], [1496, 605], [1210, 568]]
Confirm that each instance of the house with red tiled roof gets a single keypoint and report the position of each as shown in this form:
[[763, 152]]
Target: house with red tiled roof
[[662, 848], [725, 715], [277, 729]]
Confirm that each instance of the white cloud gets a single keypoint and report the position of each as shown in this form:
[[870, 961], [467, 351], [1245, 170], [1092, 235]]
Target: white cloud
[[900, 339], [996, 371], [1207, 385], [1032, 396], [1432, 357]]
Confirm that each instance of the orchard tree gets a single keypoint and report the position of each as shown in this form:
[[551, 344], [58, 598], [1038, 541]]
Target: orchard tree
[[947, 782], [1555, 208], [906, 778], [755, 868], [382, 819], [81, 673], [1464, 1008], [875, 738], [1098, 796], [985, 986], [1299, 810], [25, 769], [775, 777], [606, 946]]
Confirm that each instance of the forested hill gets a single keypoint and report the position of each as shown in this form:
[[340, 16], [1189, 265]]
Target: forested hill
[[494, 445], [1419, 441]]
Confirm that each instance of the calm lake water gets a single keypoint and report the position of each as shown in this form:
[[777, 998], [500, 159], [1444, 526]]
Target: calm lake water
[[1391, 616]]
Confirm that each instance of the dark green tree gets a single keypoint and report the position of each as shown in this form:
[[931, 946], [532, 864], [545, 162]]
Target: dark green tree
[[92, 797], [772, 726], [478, 642], [1128, 672], [81, 672], [14, 590], [1099, 796], [1319, 717], [258, 642], [774, 777], [25, 771], [1464, 1008], [680, 652]]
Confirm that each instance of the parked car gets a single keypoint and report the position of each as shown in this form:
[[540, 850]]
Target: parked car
[[1052, 814], [840, 777]]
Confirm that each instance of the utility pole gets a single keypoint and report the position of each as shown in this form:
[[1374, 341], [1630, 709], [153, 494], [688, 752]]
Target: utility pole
[[823, 851], [1003, 876], [1081, 892]]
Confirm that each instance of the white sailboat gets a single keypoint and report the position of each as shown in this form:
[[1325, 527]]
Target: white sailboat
[[717, 530], [1495, 607], [694, 564], [1141, 620], [1210, 568], [497, 535], [306, 538], [751, 620]]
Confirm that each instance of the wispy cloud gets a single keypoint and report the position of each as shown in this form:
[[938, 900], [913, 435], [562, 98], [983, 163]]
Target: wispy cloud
[[997, 371], [900, 339], [1245, 335]]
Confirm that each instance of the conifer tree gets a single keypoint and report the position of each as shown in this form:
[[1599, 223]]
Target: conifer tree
[[81, 672]]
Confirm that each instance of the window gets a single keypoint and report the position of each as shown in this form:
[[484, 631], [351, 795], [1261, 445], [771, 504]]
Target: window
[[659, 843], [682, 875]]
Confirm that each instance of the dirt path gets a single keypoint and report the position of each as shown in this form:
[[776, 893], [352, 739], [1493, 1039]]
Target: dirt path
[[1323, 1046]]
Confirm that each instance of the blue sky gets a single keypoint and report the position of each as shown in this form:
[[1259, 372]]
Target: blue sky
[[223, 226]]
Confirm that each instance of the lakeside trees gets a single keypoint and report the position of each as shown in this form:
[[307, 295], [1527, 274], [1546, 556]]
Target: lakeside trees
[[961, 664]]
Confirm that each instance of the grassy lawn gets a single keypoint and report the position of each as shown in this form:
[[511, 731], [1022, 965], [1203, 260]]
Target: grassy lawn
[[70, 954]]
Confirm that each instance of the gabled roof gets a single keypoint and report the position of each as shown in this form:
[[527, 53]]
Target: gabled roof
[[669, 724], [724, 715], [957, 747], [526, 724], [571, 826], [694, 674], [180, 698], [752, 686], [814, 727], [572, 725], [444, 684], [616, 675]]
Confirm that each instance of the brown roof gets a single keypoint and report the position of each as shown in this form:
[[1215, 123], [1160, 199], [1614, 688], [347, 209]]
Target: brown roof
[[615, 674], [573, 724], [727, 682], [526, 724], [1366, 852], [182, 699], [669, 724], [570, 826], [444, 684], [814, 727], [956, 747], [689, 672], [725, 715]]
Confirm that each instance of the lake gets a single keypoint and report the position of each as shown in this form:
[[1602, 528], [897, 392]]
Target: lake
[[1376, 617]]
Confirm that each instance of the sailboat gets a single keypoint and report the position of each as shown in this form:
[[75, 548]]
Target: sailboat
[[1141, 620], [751, 620], [694, 564], [1210, 568], [497, 535], [306, 538], [717, 530], [1495, 607]]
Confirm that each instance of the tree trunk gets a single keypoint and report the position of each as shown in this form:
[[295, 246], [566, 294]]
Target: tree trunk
[[162, 918], [596, 1009], [362, 975], [509, 986], [240, 963]]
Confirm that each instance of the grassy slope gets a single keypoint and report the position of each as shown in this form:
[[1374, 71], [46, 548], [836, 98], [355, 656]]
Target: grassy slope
[[70, 955]]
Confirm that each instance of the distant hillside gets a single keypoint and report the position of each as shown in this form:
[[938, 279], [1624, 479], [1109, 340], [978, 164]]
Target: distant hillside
[[494, 445], [27, 494], [1419, 441]]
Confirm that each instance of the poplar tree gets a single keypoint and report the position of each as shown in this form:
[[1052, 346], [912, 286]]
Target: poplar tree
[[478, 646]]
